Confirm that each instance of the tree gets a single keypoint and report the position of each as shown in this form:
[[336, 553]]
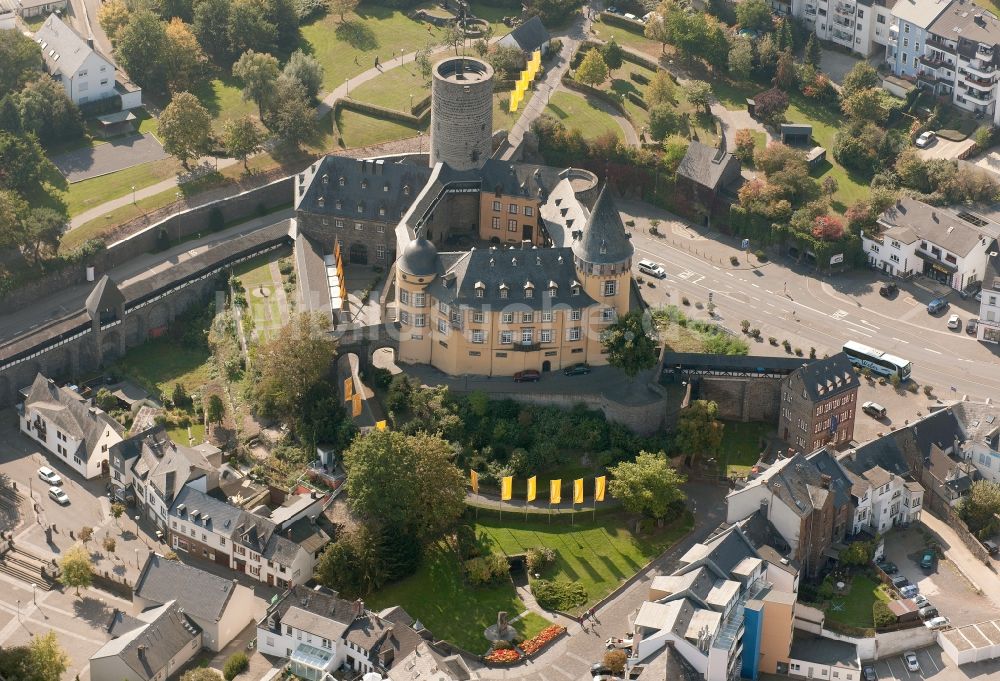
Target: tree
[[664, 121], [657, 27], [980, 508], [259, 73], [76, 569], [42, 229], [592, 70], [10, 119], [113, 15], [41, 660], [342, 7], [861, 77], [613, 55], [755, 15], [828, 228], [211, 25], [13, 209], [292, 119], [186, 128], [699, 430], [306, 71], [250, 27], [353, 564], [767, 58], [453, 36], [770, 106], [506, 60], [858, 554], [745, 145], [661, 89], [201, 674], [699, 94], [830, 185], [45, 109], [86, 534], [716, 45], [140, 49], [629, 343], [741, 59], [289, 364], [814, 52], [20, 60], [406, 481], [22, 162], [214, 410], [110, 544], [184, 59], [117, 511], [785, 76], [242, 138], [180, 397], [648, 485], [615, 661]]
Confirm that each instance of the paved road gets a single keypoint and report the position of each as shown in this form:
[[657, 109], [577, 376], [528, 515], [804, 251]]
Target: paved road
[[110, 157]]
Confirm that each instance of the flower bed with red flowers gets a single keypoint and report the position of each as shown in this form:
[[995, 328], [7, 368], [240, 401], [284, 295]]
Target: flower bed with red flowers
[[542, 639], [503, 656]]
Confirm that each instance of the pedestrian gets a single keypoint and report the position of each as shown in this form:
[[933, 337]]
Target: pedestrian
[[356, 60]]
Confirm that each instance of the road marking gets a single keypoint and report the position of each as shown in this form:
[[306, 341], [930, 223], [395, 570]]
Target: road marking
[[754, 285], [756, 298], [839, 314], [730, 274], [900, 340], [931, 660], [934, 351], [770, 304], [868, 323]]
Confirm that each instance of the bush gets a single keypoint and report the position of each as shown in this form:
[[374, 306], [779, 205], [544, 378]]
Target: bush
[[812, 353], [468, 545], [755, 333], [798, 352], [881, 615], [235, 665], [786, 345], [491, 569], [772, 340], [928, 390], [734, 261], [639, 78], [685, 301], [559, 594], [540, 558], [760, 255], [745, 325], [912, 387]]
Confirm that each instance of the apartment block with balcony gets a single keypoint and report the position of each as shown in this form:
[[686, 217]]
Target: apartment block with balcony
[[989, 313], [961, 58], [861, 26], [909, 33], [950, 246]]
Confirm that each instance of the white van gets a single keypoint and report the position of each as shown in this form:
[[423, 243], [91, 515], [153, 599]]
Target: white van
[[652, 269]]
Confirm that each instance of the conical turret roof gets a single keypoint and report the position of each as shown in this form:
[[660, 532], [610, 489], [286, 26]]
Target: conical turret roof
[[604, 240]]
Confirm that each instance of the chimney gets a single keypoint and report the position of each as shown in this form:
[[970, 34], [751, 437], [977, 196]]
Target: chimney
[[141, 650], [825, 480], [359, 608], [288, 533]]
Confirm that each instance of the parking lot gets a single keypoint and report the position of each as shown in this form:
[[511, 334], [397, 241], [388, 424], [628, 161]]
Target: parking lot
[[934, 665]]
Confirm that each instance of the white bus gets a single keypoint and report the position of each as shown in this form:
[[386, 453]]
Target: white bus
[[879, 362]]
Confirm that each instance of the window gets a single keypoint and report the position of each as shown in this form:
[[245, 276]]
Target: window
[[503, 293], [480, 292], [906, 28], [608, 314], [358, 226], [906, 43], [404, 317], [404, 296], [527, 317], [507, 317], [104, 81], [443, 327], [419, 300], [575, 315], [880, 19], [478, 336], [340, 223], [380, 229], [506, 337], [380, 252], [861, 14], [529, 211], [495, 223], [512, 209], [381, 211], [496, 206], [82, 73], [222, 541], [478, 317], [545, 336], [575, 291], [546, 316], [442, 307], [610, 288], [420, 320], [573, 334], [361, 207], [512, 225], [527, 335], [529, 292]]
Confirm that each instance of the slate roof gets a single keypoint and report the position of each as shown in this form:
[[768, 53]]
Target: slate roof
[[384, 190], [761, 532], [147, 649], [603, 239], [706, 165], [122, 623], [724, 551], [799, 482], [980, 422], [419, 258], [828, 377], [530, 35], [200, 594], [427, 664], [64, 51], [941, 226], [513, 270], [69, 412], [387, 643], [105, 296], [318, 602], [824, 650], [883, 452], [516, 179], [972, 24]]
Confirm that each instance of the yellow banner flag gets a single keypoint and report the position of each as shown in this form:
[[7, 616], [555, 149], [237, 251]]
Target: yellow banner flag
[[381, 425], [348, 389], [555, 491], [600, 484], [513, 103], [474, 479], [532, 488], [506, 487], [578, 491], [356, 405]]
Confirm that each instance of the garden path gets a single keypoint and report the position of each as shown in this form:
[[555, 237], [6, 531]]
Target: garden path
[[279, 292]]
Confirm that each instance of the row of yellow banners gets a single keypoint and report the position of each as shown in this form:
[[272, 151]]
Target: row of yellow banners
[[555, 488], [524, 82]]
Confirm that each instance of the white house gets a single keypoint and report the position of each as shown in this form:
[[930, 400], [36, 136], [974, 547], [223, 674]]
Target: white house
[[85, 74], [884, 500], [150, 647], [951, 246], [862, 27], [989, 312], [39, 8], [69, 426], [222, 608], [816, 657]]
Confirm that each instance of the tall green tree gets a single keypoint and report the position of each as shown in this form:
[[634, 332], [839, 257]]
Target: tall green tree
[[23, 163], [699, 430], [862, 76], [649, 485], [353, 565], [139, 50], [45, 110], [20, 60], [408, 481], [10, 119], [259, 73], [784, 72], [186, 128], [630, 343], [661, 89], [214, 410], [741, 59], [980, 508], [251, 27], [211, 26], [76, 568], [43, 659], [291, 117], [699, 94], [13, 210], [592, 70], [306, 71], [43, 227], [613, 55], [755, 15], [242, 138], [814, 52]]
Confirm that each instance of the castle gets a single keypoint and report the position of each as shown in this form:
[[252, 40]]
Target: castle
[[496, 267]]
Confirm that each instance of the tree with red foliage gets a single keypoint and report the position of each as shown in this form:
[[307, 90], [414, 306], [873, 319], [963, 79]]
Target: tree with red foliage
[[770, 105], [828, 228]]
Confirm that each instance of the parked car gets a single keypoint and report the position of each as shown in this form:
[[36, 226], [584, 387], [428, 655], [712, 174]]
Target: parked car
[[925, 139], [873, 409], [927, 559], [888, 567], [972, 326], [58, 495], [928, 612], [979, 296], [937, 305], [652, 269], [629, 15], [868, 671], [899, 581], [888, 290], [619, 643], [937, 623], [921, 601], [577, 369], [599, 671], [954, 322], [910, 658], [909, 591], [527, 376], [992, 547], [50, 476]]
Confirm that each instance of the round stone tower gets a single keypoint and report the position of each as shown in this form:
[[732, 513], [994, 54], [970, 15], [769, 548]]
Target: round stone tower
[[462, 112]]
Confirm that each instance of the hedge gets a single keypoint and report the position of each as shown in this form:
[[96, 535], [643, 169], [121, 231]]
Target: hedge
[[636, 99], [646, 62], [639, 78], [617, 20], [574, 84], [382, 112]]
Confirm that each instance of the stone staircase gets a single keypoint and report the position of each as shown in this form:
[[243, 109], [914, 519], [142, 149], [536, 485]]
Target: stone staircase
[[27, 567]]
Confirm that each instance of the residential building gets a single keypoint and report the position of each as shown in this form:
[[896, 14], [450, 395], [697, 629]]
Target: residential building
[[69, 426], [528, 37], [425, 663], [989, 312], [818, 404], [808, 501], [319, 632], [495, 312], [884, 500], [909, 34], [952, 246], [30, 9], [709, 178], [149, 647], [279, 549], [220, 607], [772, 619], [861, 26], [817, 657], [85, 74]]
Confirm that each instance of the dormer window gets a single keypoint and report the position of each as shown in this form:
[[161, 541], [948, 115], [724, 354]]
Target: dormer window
[[406, 190], [326, 178], [340, 204], [364, 184], [320, 201], [381, 211], [385, 187], [361, 207], [342, 181], [503, 290], [575, 290]]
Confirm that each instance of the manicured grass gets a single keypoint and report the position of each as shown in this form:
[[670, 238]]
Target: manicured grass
[[84, 195], [503, 119], [599, 556], [452, 610], [265, 310], [223, 97], [160, 363], [530, 624], [741, 446], [576, 112], [621, 83], [180, 435], [855, 608], [359, 130], [628, 38], [394, 88]]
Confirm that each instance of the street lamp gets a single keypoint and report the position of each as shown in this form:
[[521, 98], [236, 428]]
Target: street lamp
[[411, 102], [347, 84], [33, 599], [400, 55], [18, 609], [137, 557], [133, 195], [136, 528], [420, 136]]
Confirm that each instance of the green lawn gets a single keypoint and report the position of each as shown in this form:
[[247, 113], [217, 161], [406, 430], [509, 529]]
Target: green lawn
[[621, 83], [359, 130], [530, 624], [741, 445], [576, 112], [394, 89], [628, 38], [855, 608], [503, 119], [265, 310], [87, 194], [180, 435], [160, 363]]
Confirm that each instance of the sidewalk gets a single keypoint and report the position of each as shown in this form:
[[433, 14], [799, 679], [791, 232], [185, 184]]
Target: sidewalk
[[982, 578]]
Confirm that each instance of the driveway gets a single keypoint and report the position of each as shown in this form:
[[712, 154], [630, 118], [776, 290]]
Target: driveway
[[837, 64], [109, 157], [946, 149]]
